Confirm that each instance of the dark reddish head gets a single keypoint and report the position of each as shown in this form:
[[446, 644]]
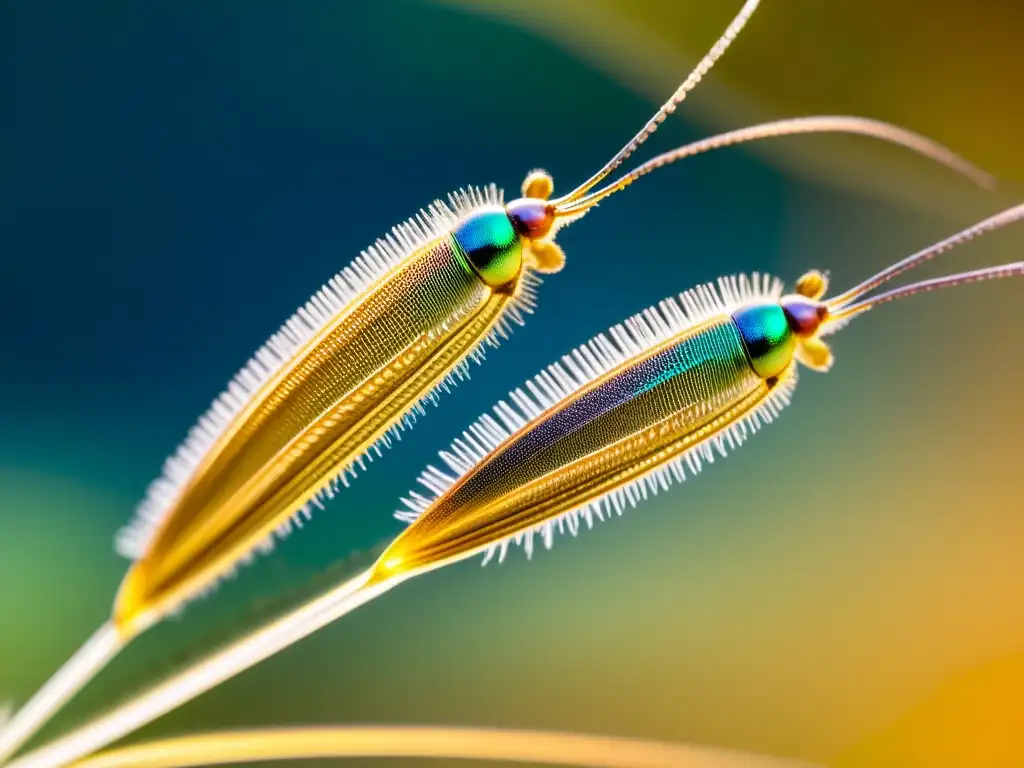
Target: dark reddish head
[[531, 217], [804, 315]]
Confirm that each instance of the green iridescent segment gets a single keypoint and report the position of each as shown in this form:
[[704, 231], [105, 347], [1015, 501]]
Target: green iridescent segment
[[491, 245], [767, 337]]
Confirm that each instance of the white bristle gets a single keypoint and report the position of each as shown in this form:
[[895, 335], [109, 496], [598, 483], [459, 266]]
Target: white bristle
[[341, 290], [562, 380]]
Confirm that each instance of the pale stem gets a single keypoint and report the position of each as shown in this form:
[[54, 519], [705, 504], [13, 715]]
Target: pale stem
[[544, 747], [87, 662], [207, 673]]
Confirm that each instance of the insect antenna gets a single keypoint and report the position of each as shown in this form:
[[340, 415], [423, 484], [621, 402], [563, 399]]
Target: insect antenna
[[999, 220], [846, 305], [1015, 269], [576, 202], [666, 109], [862, 126]]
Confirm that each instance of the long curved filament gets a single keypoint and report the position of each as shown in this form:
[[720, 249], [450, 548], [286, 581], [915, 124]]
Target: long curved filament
[[702, 68], [208, 673], [999, 220], [546, 747], [949, 281], [861, 126], [93, 656]]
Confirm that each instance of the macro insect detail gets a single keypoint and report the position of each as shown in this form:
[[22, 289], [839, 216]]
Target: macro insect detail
[[633, 411], [340, 380], [608, 405], [617, 419], [354, 366]]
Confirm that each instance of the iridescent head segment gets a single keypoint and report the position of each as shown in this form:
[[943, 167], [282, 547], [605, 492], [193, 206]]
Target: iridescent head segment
[[767, 337], [795, 327], [491, 245], [497, 240]]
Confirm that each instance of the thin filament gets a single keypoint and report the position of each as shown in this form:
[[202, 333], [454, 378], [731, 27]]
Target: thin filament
[[702, 68], [85, 664], [791, 127], [545, 747], [208, 673], [949, 281], [1009, 216]]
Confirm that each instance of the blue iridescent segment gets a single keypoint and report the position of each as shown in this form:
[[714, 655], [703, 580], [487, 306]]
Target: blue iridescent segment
[[490, 244], [767, 337]]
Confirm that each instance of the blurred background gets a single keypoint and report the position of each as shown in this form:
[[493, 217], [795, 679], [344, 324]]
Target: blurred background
[[176, 177]]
